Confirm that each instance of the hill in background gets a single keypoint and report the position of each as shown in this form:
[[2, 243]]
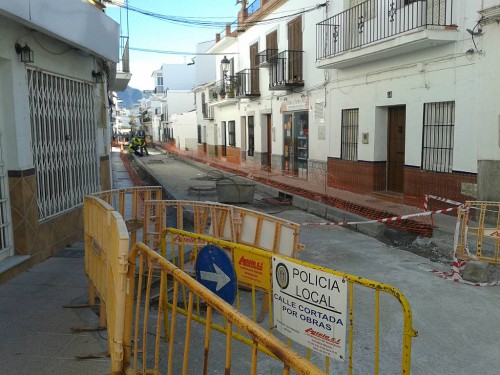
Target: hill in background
[[129, 97]]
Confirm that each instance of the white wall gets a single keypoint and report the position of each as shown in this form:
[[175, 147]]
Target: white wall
[[430, 75], [15, 125], [72, 23], [180, 102], [185, 130], [204, 64], [178, 77]]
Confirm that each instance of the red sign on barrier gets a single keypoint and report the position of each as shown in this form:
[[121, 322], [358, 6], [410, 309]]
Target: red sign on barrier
[[492, 233]]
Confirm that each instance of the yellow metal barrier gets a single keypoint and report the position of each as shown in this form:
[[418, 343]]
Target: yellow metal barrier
[[137, 306], [130, 204], [106, 259], [479, 231], [366, 336], [189, 353], [222, 221]]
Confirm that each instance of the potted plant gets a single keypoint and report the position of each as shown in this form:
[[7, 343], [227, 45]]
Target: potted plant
[[222, 93], [214, 95], [231, 87]]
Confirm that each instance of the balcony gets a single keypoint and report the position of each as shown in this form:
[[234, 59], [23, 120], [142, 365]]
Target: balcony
[[378, 29], [223, 92], [207, 111], [247, 83], [264, 57], [286, 70], [159, 90], [123, 74]]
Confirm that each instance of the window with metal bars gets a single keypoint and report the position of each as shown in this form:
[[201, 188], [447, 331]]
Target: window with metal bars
[[199, 133], [64, 141], [232, 133], [438, 132], [349, 135]]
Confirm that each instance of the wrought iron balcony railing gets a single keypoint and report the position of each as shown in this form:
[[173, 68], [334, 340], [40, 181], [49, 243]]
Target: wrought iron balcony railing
[[247, 83], [286, 70], [375, 20], [264, 56]]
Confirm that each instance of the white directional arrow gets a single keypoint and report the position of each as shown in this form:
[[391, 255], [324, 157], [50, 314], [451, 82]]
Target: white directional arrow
[[218, 276]]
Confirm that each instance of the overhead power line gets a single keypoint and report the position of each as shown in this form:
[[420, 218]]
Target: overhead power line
[[180, 52], [206, 22]]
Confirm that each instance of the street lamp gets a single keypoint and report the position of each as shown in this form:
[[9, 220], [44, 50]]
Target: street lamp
[[25, 52], [224, 63]]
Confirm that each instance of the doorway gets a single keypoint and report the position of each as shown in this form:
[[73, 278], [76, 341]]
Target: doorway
[[396, 149], [243, 122], [269, 140], [223, 138], [216, 142], [296, 139]]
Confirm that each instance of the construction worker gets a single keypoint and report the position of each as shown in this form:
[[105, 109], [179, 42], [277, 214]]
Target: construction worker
[[135, 147], [141, 135]]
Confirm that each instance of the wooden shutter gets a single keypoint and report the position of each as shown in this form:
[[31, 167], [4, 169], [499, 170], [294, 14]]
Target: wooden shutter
[[254, 50], [295, 34], [254, 71], [272, 40], [294, 50]]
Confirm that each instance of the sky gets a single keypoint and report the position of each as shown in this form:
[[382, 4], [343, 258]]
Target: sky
[[147, 32]]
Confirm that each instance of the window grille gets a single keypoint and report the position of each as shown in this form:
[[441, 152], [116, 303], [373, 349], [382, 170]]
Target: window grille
[[319, 111], [349, 136], [438, 132], [64, 141], [232, 133]]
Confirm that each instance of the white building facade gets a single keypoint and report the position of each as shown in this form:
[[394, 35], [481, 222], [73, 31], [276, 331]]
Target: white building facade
[[174, 96], [391, 98], [55, 64]]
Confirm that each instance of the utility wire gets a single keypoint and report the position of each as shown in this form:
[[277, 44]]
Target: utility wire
[[202, 22], [166, 52]]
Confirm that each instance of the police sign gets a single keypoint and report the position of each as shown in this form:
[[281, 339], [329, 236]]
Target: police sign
[[310, 307]]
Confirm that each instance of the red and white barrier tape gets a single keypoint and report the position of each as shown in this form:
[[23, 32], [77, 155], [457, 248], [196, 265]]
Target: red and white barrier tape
[[385, 220], [454, 275], [428, 196], [458, 265]]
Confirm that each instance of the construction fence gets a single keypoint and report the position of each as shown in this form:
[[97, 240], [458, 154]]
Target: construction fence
[[325, 187], [478, 231], [153, 306]]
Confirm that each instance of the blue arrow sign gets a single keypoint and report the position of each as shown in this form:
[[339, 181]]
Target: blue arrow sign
[[215, 271]]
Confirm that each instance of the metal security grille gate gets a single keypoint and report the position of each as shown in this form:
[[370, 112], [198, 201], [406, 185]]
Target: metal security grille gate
[[63, 134], [6, 249]]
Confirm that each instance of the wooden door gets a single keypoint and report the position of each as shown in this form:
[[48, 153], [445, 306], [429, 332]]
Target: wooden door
[[396, 149]]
